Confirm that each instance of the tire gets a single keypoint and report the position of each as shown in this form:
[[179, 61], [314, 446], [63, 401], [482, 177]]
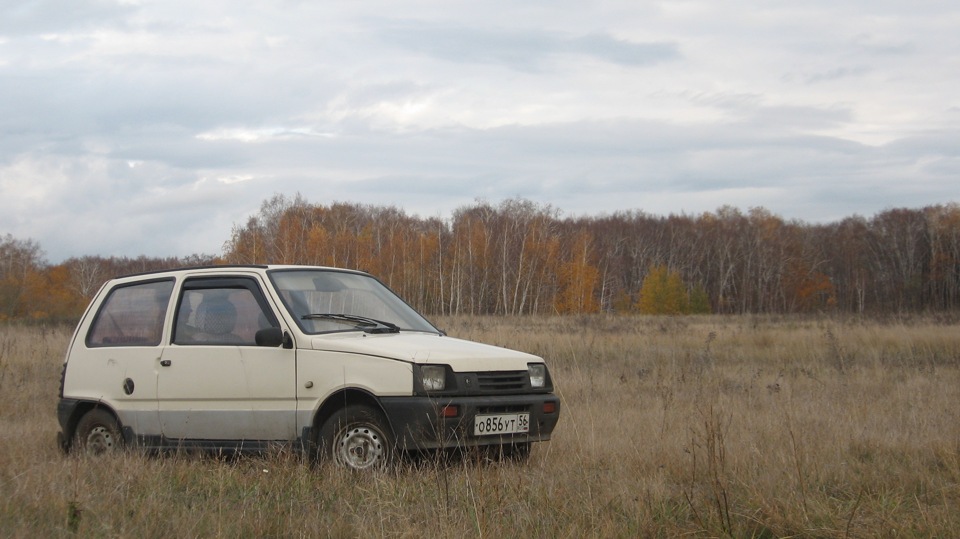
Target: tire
[[97, 433], [357, 438]]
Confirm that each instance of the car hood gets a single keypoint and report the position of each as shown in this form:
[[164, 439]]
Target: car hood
[[461, 355]]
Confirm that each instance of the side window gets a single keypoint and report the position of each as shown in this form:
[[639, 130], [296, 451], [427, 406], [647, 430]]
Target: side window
[[228, 313], [131, 316]]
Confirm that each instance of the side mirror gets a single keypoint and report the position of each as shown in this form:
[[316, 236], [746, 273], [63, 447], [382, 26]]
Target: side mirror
[[273, 337]]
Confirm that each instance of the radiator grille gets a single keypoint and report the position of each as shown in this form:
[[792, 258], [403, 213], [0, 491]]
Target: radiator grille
[[502, 382]]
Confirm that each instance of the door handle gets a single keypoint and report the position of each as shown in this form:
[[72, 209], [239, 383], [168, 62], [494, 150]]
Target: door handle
[[165, 362]]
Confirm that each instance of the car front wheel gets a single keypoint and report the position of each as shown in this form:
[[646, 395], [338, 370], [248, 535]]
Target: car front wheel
[[357, 438]]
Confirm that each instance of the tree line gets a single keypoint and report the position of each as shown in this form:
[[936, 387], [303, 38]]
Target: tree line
[[520, 257]]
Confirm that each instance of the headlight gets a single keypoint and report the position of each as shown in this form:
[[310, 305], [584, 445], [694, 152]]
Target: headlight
[[434, 377], [538, 374]]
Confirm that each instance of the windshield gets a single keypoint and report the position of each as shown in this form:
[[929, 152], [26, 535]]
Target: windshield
[[323, 301]]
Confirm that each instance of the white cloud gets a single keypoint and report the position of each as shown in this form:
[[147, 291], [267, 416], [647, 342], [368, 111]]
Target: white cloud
[[236, 178], [262, 135]]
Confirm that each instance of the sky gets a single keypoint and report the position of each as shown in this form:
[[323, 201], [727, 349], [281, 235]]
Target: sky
[[138, 127]]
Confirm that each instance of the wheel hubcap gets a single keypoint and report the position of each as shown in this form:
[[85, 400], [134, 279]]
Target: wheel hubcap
[[360, 447], [100, 440]]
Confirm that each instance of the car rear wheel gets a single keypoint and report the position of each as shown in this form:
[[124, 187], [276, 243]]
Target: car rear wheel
[[97, 433], [357, 437]]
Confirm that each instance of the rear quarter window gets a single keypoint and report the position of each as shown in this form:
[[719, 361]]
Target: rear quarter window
[[132, 315]]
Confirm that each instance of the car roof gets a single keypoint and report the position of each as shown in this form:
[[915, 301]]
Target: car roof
[[228, 267]]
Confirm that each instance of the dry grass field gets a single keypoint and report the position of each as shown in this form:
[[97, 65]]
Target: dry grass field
[[690, 426]]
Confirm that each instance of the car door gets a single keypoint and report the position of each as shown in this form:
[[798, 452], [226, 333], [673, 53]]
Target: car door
[[214, 382]]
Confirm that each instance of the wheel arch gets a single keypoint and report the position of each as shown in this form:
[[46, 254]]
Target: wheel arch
[[341, 399], [71, 418]]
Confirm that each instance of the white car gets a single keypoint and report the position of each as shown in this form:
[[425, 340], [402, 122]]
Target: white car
[[328, 360]]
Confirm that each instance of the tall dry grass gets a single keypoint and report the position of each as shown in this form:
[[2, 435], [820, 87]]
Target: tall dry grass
[[702, 426]]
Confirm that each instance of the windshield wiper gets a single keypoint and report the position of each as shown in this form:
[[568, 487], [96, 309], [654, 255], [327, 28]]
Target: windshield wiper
[[369, 325]]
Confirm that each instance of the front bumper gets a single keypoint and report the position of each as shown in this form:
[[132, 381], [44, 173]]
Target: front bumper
[[419, 424]]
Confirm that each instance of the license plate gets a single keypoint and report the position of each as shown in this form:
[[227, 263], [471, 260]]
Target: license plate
[[485, 425]]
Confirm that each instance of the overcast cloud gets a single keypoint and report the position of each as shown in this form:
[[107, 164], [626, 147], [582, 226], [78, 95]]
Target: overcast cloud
[[152, 127]]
